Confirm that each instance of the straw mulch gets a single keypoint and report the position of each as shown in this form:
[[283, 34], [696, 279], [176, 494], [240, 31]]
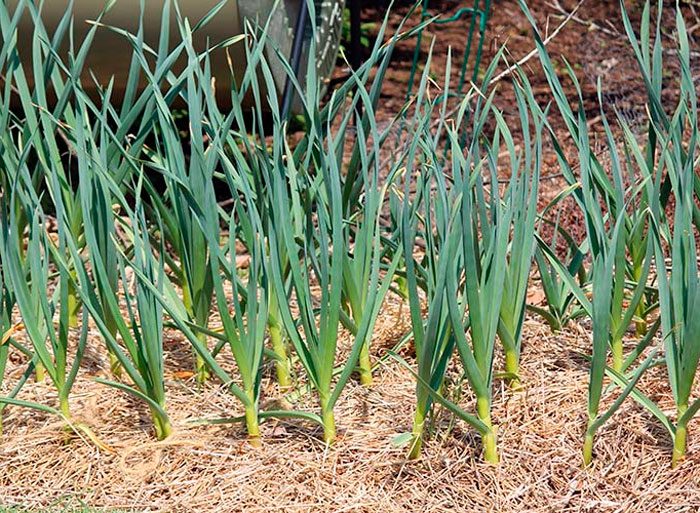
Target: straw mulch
[[212, 468]]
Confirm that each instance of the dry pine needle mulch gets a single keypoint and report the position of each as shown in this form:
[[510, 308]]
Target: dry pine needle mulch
[[212, 468]]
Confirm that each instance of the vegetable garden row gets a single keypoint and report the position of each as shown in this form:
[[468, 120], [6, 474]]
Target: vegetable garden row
[[312, 237]]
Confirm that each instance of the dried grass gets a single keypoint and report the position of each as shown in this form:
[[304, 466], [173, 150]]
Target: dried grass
[[212, 468]]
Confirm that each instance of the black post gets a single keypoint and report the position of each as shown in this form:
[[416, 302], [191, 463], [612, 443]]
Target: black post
[[355, 33], [295, 58]]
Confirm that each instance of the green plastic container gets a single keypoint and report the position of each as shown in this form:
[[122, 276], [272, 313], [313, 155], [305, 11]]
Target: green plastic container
[[110, 54]]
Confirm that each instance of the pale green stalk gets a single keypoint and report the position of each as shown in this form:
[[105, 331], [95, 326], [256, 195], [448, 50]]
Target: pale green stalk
[[460, 268], [427, 216], [7, 327], [186, 181], [38, 307], [140, 353], [307, 187], [609, 187], [679, 282], [485, 224], [521, 195]]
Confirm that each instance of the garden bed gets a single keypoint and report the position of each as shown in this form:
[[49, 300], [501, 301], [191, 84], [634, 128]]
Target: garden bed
[[118, 465]]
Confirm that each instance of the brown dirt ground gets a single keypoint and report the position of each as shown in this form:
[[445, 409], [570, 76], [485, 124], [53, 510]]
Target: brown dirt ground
[[593, 41], [212, 468]]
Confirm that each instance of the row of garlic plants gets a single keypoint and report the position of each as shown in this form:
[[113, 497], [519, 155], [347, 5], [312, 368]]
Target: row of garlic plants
[[314, 236]]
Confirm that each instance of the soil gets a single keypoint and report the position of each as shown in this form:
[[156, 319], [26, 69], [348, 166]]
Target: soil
[[593, 42], [540, 430]]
